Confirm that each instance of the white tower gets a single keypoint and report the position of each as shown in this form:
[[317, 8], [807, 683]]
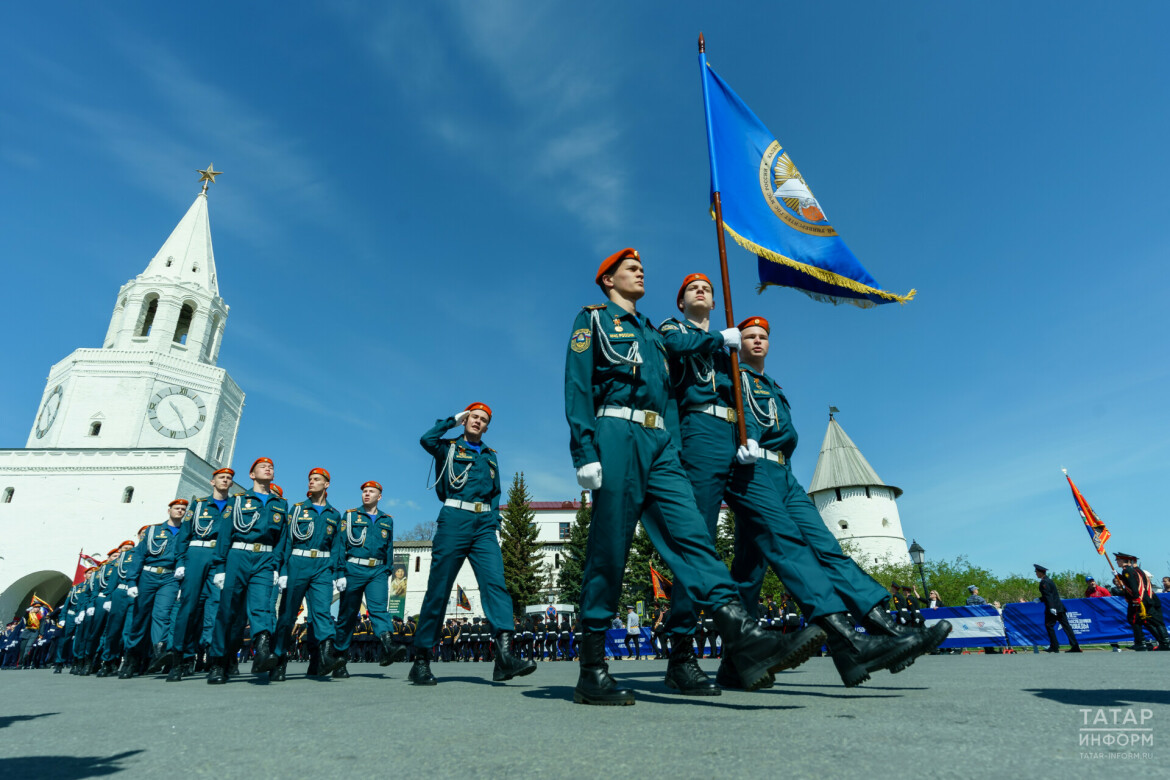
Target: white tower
[[854, 503], [124, 429], [154, 382]]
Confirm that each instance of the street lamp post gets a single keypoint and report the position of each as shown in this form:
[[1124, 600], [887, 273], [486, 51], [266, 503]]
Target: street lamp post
[[918, 555]]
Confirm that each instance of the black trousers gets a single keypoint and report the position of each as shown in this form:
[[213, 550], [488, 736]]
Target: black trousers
[[1050, 622]]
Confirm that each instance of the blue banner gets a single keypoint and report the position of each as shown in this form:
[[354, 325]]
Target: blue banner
[[1094, 621], [615, 643]]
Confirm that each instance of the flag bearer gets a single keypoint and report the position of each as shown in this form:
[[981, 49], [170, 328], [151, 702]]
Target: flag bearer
[[310, 567], [367, 549], [616, 391], [1143, 609], [153, 585], [246, 549], [468, 483], [194, 571]]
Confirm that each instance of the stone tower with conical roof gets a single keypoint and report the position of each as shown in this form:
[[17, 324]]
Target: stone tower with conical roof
[[854, 502]]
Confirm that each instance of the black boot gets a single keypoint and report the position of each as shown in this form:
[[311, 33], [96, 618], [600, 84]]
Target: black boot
[[386, 654], [161, 658], [757, 654], [856, 655], [683, 673], [176, 673], [727, 677], [507, 664], [420, 673], [264, 659], [341, 673], [57, 668], [595, 685], [329, 661], [217, 671], [878, 622], [86, 667], [314, 669], [278, 674]]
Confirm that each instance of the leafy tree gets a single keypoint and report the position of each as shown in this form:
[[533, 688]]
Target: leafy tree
[[521, 551], [421, 532], [573, 560]]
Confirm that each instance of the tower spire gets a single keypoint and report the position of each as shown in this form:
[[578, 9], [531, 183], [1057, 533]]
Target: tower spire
[[208, 176]]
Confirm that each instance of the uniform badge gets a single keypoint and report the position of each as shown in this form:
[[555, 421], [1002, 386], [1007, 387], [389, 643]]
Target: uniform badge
[[226, 513], [492, 470], [328, 530], [248, 504], [277, 517], [385, 534], [579, 341], [189, 515], [668, 326]]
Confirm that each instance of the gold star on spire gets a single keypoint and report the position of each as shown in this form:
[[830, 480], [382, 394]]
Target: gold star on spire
[[208, 176]]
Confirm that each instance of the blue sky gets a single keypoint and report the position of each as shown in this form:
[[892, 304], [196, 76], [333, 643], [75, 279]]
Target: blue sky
[[415, 199]]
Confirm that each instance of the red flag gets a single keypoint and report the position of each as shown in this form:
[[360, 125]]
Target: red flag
[[84, 562], [1093, 524], [660, 584], [461, 599]]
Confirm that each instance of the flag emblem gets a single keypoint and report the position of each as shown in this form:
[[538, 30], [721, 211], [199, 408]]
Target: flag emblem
[[789, 196]]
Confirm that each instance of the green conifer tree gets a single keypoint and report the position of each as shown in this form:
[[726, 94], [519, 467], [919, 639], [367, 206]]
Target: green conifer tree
[[521, 551], [573, 556]]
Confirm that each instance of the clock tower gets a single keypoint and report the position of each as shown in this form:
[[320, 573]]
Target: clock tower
[[154, 381]]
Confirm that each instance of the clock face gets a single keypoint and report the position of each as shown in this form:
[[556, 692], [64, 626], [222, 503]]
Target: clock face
[[48, 411], [176, 412]]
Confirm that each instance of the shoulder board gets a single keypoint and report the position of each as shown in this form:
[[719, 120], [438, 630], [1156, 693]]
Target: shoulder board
[[593, 306], [299, 503], [234, 495], [669, 320], [355, 509], [489, 449]]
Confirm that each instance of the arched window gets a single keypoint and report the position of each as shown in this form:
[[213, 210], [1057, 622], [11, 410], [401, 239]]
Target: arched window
[[8, 495], [127, 495], [219, 452], [210, 337], [146, 316], [417, 562], [183, 326], [95, 428]]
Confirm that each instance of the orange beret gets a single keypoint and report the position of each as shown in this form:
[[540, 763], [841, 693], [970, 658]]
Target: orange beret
[[259, 461], [227, 471], [127, 542], [691, 278], [478, 405], [322, 472], [143, 528], [92, 568], [182, 501], [755, 322], [114, 551], [372, 484], [611, 262], [277, 489]]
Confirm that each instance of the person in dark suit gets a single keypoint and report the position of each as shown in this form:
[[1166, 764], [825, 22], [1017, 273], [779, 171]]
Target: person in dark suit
[[1054, 612]]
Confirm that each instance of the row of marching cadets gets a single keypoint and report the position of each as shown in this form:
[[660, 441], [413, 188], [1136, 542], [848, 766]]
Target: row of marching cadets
[[217, 566]]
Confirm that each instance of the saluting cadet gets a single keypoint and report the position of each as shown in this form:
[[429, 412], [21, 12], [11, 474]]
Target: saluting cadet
[[824, 575], [152, 583], [468, 483], [367, 536], [118, 606], [194, 571], [245, 549], [310, 568], [616, 391], [1143, 609]]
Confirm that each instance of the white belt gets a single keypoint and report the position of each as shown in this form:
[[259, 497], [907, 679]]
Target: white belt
[[311, 553], [123, 586], [157, 570], [715, 410], [775, 457], [470, 506], [366, 561], [202, 543], [253, 546], [647, 419]]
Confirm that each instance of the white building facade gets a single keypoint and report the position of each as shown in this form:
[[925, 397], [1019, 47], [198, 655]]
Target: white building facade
[[123, 429]]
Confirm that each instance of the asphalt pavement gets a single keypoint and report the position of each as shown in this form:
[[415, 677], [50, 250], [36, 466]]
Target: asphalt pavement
[[969, 716]]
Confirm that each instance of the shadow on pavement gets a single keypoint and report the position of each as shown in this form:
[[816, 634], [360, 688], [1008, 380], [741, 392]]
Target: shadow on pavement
[[474, 680], [565, 693], [1109, 697], [8, 720], [63, 767]]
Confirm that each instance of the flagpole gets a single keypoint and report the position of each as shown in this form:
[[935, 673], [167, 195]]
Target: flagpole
[[736, 387]]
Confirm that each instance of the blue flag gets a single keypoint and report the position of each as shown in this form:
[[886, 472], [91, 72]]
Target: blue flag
[[769, 209]]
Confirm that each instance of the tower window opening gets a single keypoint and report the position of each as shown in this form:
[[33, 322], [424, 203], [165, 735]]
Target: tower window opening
[[219, 453], [556, 560], [169, 261], [146, 318], [127, 495], [95, 428], [8, 495], [838, 491], [867, 495], [885, 522], [183, 326], [844, 525], [417, 563]]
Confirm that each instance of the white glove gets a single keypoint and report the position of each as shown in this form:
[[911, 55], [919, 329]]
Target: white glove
[[748, 453], [107, 605], [339, 584], [282, 582], [132, 591], [589, 476], [218, 579], [77, 620], [275, 577], [1053, 611], [89, 611], [731, 338], [180, 572], [461, 416]]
